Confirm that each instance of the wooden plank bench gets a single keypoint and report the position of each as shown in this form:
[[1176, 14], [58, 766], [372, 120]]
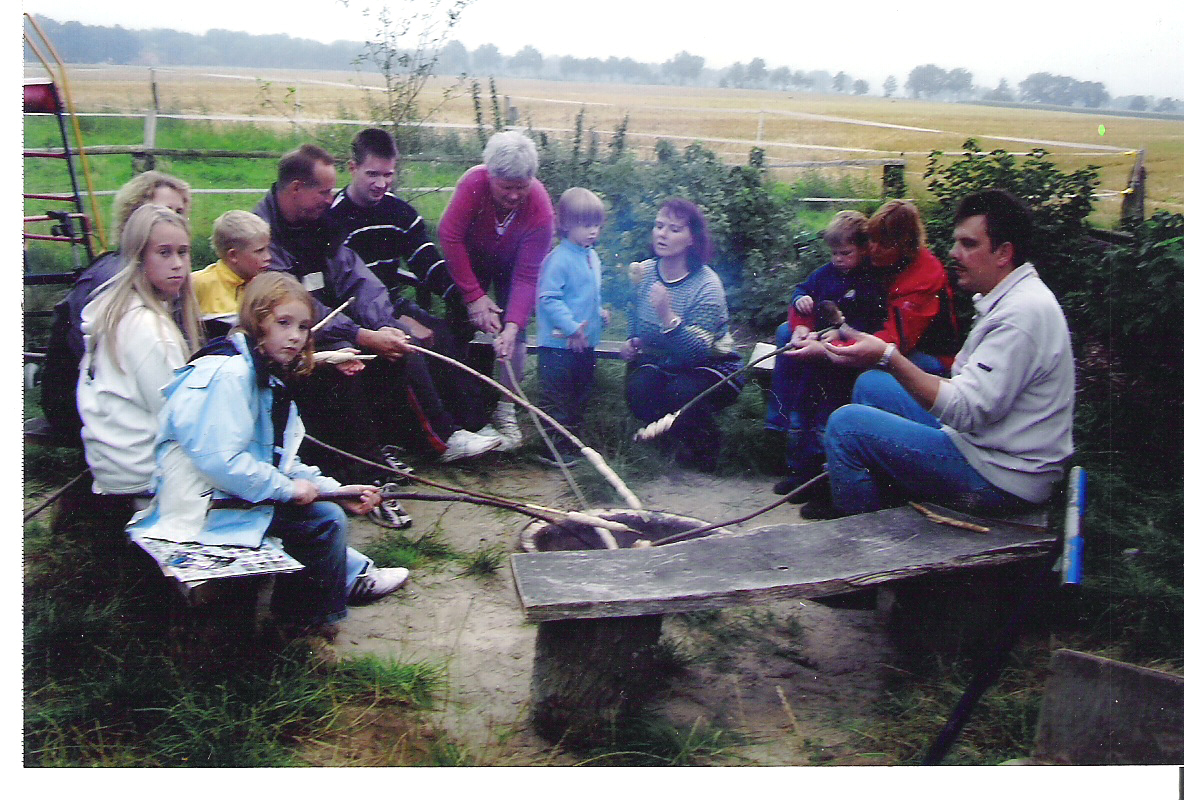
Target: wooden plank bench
[[600, 611], [201, 611]]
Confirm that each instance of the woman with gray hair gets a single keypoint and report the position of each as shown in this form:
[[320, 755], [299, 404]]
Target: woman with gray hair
[[495, 234]]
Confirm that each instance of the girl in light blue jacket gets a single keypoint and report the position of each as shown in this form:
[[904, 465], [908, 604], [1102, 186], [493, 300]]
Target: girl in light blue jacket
[[229, 431]]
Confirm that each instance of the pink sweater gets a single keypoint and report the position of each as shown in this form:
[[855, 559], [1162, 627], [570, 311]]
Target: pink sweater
[[476, 254]]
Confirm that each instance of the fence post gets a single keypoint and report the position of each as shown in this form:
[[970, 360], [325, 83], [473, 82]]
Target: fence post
[[892, 182], [1135, 194], [145, 161]]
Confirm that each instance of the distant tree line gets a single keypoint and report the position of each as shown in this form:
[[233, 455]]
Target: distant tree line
[[95, 44]]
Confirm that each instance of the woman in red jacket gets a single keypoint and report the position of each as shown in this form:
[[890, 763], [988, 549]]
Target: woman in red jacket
[[920, 319]]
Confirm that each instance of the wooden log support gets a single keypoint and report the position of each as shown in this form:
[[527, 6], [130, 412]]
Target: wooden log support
[[591, 673]]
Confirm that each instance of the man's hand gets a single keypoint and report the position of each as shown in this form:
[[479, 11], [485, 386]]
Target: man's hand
[[386, 341], [417, 330], [578, 342], [864, 352], [630, 349], [810, 349], [368, 499], [804, 305], [484, 315], [503, 344], [304, 492]]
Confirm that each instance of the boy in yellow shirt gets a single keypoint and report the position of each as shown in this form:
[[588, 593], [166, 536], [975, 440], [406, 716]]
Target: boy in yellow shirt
[[241, 240]]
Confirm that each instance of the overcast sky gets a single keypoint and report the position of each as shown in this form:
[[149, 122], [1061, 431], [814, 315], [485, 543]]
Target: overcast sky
[[1134, 46]]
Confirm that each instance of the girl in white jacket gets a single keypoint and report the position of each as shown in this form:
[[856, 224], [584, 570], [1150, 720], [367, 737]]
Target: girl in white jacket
[[136, 333]]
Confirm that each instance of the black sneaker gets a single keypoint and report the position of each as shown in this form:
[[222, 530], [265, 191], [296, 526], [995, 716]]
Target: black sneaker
[[787, 485], [821, 509], [390, 454]]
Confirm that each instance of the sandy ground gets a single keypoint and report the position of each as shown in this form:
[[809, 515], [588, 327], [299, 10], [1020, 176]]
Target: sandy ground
[[788, 676]]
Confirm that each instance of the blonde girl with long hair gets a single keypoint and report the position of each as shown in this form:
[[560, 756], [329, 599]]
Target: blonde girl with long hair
[[136, 333]]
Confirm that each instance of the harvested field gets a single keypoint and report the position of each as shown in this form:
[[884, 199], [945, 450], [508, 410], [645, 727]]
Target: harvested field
[[791, 126]]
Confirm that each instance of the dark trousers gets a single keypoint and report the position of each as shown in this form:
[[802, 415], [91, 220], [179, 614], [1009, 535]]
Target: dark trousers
[[566, 380], [652, 393]]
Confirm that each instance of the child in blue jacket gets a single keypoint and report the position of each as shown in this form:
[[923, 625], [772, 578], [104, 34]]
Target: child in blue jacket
[[570, 318], [806, 386], [229, 429]]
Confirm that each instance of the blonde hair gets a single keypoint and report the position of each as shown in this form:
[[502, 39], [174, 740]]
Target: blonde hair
[[139, 191], [579, 206], [132, 282], [846, 227], [237, 229], [263, 293]]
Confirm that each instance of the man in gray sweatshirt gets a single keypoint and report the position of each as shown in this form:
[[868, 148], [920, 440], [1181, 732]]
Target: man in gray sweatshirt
[[995, 436]]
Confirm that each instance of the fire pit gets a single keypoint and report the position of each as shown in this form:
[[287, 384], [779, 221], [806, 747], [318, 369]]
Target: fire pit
[[544, 537]]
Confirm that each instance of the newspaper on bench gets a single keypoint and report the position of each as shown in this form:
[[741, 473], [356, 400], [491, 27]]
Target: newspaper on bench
[[190, 562]]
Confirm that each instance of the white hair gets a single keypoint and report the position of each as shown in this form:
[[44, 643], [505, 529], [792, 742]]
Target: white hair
[[511, 156]]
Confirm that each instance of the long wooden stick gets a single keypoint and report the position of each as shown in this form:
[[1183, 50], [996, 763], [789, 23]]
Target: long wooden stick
[[329, 316], [789, 498], [658, 427], [593, 457]]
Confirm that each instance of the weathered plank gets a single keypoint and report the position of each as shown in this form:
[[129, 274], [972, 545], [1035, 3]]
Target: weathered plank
[[1100, 711], [778, 561]]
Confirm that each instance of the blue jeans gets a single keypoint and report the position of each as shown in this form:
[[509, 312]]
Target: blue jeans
[[884, 448], [314, 535]]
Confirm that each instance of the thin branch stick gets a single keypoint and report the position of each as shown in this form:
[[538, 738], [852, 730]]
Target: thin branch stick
[[595, 458], [571, 482], [658, 427], [677, 537], [933, 516], [329, 316], [53, 497]]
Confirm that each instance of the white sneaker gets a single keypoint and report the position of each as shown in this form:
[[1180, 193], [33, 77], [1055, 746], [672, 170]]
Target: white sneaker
[[466, 444], [505, 420], [376, 583]]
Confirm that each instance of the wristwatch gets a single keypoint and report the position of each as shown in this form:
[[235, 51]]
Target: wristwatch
[[887, 356]]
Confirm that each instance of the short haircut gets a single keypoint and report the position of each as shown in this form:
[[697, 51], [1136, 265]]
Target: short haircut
[[373, 142], [846, 227], [511, 156], [898, 222], [691, 215], [262, 294], [138, 191], [579, 206], [237, 229], [1008, 220], [299, 165]]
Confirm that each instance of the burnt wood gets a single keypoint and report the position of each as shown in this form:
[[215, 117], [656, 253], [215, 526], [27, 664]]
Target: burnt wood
[[774, 562]]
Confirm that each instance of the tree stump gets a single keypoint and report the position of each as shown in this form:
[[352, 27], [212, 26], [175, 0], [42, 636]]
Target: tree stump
[[591, 673]]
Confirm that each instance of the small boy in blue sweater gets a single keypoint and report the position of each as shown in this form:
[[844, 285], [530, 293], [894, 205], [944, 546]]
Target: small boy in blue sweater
[[570, 318], [807, 387]]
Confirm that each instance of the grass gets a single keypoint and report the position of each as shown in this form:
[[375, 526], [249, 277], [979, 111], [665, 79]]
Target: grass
[[652, 741], [101, 687], [484, 562]]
